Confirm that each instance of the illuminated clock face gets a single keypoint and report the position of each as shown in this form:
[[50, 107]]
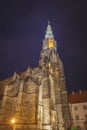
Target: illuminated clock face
[[45, 47], [51, 43]]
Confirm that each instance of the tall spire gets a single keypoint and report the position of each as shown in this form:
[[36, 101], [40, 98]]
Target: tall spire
[[49, 32]]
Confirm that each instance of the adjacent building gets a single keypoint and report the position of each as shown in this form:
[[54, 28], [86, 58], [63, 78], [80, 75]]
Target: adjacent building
[[78, 109], [37, 98]]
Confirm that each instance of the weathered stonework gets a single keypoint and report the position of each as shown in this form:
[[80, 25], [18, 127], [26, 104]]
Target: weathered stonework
[[37, 98]]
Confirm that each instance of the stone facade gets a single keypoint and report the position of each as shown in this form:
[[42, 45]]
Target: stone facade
[[37, 98]]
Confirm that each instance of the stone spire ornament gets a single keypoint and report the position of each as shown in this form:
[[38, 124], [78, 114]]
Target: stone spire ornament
[[49, 32]]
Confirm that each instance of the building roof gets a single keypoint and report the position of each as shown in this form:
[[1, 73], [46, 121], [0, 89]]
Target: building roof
[[77, 97]]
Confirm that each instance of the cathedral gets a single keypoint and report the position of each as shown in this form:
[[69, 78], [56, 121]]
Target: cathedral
[[36, 99]]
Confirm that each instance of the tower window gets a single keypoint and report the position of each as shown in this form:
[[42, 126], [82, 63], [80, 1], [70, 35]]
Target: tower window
[[50, 43]]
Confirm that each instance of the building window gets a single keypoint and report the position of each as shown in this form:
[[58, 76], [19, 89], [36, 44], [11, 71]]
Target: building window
[[75, 108], [85, 118], [77, 117], [85, 107], [79, 127]]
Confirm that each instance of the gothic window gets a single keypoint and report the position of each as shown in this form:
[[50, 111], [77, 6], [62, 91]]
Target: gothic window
[[46, 59], [77, 117]]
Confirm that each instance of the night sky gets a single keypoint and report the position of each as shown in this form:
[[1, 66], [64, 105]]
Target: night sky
[[22, 28]]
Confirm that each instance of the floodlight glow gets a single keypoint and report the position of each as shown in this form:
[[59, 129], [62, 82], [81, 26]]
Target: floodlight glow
[[13, 121]]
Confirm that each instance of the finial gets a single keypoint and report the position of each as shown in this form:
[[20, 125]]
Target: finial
[[48, 22]]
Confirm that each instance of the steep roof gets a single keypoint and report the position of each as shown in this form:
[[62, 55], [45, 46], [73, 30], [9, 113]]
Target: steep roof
[[77, 97]]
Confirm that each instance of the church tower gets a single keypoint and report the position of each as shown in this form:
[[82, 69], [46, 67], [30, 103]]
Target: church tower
[[55, 110]]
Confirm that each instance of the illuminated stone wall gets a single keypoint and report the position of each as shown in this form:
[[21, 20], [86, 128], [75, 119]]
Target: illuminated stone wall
[[37, 98]]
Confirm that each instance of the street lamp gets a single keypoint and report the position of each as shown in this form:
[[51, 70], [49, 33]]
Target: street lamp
[[13, 121]]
